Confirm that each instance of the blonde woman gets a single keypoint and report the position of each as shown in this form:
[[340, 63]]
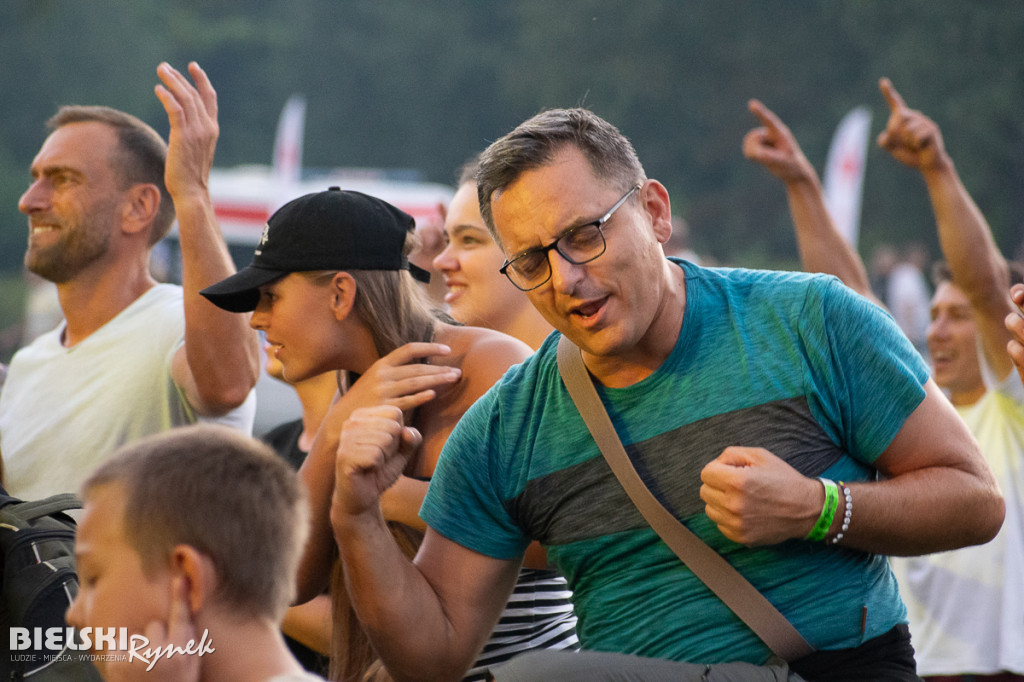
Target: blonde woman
[[477, 293], [332, 288]]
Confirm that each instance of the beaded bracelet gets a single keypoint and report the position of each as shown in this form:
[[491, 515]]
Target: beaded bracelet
[[847, 514], [828, 511]]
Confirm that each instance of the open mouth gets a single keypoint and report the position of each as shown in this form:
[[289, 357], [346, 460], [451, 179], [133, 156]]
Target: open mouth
[[37, 230], [589, 309], [455, 289]]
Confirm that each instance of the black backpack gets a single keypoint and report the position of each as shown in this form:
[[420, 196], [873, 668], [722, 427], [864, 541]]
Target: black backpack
[[37, 565]]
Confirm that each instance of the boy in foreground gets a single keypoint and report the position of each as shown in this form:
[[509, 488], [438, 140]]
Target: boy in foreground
[[188, 544]]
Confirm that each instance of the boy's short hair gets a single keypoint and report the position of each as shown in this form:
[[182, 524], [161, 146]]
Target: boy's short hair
[[228, 496]]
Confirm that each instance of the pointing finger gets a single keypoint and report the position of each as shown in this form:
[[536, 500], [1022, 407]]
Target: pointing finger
[[764, 114], [892, 97]]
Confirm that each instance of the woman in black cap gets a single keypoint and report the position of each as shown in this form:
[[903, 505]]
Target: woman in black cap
[[332, 288]]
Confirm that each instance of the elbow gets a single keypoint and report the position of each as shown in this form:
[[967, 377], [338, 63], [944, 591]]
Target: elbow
[[991, 516], [234, 396], [219, 393], [217, 403], [978, 519]]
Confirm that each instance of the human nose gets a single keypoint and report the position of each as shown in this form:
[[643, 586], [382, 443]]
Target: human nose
[[446, 260], [938, 328], [564, 273], [259, 317], [35, 198]]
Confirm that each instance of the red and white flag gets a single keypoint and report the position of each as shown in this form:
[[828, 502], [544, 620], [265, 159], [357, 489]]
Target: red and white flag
[[844, 172], [288, 149]]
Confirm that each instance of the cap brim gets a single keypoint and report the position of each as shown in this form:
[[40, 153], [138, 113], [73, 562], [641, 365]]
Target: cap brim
[[240, 293]]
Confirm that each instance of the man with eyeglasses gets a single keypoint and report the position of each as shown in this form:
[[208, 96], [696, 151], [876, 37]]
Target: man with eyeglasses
[[741, 397]]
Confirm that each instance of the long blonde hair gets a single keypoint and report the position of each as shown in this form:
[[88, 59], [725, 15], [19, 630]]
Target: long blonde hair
[[353, 658], [396, 311], [391, 304]]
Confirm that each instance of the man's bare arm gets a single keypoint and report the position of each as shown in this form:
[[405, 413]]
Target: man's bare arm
[[978, 268], [428, 619], [822, 248], [219, 363], [938, 493]]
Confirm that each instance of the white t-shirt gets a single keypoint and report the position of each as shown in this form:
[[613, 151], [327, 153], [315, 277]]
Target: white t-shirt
[[65, 410], [966, 607]]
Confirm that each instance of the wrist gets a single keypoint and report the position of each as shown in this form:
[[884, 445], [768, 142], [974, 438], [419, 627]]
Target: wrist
[[802, 185], [349, 523], [844, 514], [939, 168], [193, 198], [827, 515]]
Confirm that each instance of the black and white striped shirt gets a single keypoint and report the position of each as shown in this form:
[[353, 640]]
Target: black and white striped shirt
[[538, 615]]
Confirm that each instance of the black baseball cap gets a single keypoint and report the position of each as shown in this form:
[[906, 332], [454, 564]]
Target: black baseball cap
[[332, 230]]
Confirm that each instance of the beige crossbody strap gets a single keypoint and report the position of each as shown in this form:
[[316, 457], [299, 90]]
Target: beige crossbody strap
[[707, 564]]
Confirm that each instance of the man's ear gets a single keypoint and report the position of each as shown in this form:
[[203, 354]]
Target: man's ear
[[141, 207], [658, 206], [343, 295], [198, 574]]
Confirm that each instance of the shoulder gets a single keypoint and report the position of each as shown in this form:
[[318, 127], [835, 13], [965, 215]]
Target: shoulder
[[483, 353], [44, 344], [771, 292], [163, 303], [163, 293], [741, 279]]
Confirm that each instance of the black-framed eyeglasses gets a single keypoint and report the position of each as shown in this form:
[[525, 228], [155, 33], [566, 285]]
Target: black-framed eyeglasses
[[579, 245]]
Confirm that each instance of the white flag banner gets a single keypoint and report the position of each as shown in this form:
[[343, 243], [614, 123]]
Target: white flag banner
[[288, 149], [844, 172]]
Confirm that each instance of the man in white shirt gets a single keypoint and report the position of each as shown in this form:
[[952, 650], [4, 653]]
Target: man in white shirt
[[964, 606], [132, 357]]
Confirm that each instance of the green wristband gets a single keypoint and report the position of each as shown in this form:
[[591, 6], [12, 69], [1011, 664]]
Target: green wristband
[[828, 511]]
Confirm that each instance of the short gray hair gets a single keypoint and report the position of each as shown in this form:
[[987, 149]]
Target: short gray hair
[[536, 141]]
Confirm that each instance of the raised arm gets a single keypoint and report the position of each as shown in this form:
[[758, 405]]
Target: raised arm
[[219, 363], [429, 618], [978, 267], [822, 248], [1014, 325], [398, 380]]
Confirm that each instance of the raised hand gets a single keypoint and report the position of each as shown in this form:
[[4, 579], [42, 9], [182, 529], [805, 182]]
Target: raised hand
[[432, 238], [773, 146], [756, 498], [398, 379], [1015, 325], [373, 449], [910, 136], [192, 113]]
